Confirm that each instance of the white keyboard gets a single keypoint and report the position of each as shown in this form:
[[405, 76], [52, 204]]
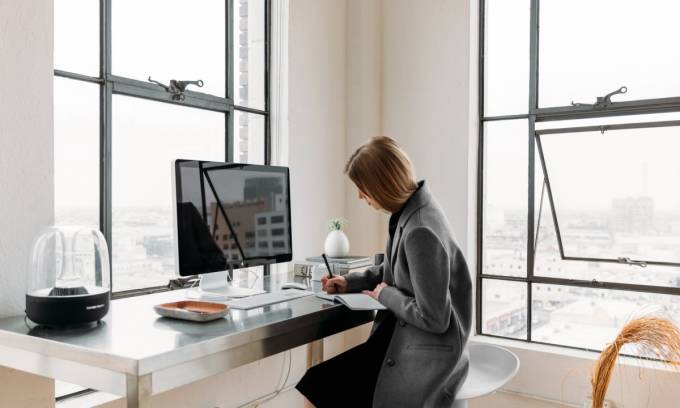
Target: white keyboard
[[268, 298]]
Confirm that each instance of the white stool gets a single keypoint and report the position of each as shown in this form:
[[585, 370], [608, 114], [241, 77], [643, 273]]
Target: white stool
[[490, 368]]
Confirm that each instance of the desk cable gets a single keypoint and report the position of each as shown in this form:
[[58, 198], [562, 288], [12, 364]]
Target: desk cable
[[249, 270], [280, 386]]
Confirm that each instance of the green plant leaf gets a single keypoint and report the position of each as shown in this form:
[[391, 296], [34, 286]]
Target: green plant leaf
[[336, 224]]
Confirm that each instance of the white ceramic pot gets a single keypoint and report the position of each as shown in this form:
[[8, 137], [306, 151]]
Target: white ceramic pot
[[337, 244]]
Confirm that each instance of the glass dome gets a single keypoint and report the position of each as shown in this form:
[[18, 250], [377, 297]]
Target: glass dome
[[69, 276]]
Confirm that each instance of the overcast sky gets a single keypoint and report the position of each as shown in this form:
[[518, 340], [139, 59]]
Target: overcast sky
[[164, 39], [587, 49]]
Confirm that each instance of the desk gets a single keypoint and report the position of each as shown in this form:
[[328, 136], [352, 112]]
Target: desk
[[135, 353]]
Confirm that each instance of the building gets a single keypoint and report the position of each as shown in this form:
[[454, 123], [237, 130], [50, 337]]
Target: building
[[242, 217], [273, 235], [633, 215], [264, 188]]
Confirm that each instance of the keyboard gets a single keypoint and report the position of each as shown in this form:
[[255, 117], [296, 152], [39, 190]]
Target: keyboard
[[268, 298]]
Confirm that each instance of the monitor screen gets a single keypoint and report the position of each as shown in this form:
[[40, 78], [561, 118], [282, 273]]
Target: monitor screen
[[230, 215]]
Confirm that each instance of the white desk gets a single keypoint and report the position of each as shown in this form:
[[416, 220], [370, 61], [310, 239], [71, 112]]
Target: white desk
[[135, 353]]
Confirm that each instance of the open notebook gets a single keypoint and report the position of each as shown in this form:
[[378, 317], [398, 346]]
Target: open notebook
[[355, 301]]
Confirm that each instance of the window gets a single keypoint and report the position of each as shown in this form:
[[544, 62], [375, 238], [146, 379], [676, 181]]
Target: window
[[117, 128], [579, 215]]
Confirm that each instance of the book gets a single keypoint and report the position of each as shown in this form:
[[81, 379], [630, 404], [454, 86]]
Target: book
[[354, 301], [352, 261]]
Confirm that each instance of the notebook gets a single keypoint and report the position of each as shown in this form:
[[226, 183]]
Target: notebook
[[354, 301]]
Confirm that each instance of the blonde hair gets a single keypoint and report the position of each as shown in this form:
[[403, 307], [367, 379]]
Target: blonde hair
[[383, 171]]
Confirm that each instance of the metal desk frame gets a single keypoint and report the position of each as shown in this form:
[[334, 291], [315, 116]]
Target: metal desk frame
[[140, 378]]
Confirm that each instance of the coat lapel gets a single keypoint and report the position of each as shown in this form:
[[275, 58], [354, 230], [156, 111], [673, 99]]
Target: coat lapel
[[419, 199], [388, 277], [395, 244]]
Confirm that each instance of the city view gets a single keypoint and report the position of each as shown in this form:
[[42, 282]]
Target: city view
[[141, 244], [580, 317], [148, 135]]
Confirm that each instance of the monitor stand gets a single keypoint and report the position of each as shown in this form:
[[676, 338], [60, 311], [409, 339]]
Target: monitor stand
[[217, 286]]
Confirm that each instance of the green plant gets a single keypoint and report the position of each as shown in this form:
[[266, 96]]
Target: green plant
[[336, 224]]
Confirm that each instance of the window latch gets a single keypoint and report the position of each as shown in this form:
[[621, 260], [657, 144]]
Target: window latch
[[177, 87], [628, 261], [603, 101]]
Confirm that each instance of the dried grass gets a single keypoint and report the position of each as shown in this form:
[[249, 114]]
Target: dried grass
[[654, 336]]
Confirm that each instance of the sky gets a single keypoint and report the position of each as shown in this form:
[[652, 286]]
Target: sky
[[587, 49], [164, 39]]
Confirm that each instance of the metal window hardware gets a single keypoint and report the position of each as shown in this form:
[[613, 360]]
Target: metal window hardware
[[177, 87], [596, 283], [628, 261], [603, 101]]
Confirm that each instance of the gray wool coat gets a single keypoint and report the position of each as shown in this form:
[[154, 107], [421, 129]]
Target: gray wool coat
[[430, 293]]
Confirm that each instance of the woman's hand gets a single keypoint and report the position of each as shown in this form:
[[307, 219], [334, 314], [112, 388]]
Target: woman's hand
[[375, 293], [336, 284]]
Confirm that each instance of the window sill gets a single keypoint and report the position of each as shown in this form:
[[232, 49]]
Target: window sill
[[546, 350], [563, 374]]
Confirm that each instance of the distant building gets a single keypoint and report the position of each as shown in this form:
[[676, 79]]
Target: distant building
[[633, 215], [504, 309], [158, 245], [272, 235], [264, 188], [259, 231], [597, 312], [242, 217], [249, 59]]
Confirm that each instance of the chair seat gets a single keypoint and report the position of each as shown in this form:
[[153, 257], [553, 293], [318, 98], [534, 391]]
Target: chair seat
[[490, 368]]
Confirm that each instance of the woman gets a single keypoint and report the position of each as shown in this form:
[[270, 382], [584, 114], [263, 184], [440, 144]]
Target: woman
[[415, 356]]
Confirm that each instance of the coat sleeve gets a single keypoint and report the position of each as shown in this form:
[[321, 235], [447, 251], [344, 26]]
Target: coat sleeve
[[429, 268], [366, 280]]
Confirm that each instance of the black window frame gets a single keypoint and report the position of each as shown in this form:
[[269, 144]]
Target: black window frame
[[534, 115], [548, 191], [116, 85]]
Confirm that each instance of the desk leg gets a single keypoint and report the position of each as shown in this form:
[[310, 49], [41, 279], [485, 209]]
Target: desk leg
[[314, 353], [138, 391]]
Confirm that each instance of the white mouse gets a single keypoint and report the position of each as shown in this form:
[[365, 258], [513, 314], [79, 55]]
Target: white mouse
[[294, 285]]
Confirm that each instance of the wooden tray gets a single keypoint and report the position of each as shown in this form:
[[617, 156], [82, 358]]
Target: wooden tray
[[193, 310]]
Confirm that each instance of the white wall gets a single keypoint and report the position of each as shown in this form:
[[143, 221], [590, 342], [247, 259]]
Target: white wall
[[426, 97], [26, 181], [317, 92], [26, 163], [364, 115]]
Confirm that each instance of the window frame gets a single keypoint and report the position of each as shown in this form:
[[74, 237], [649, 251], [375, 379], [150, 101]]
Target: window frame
[[110, 85], [547, 187], [534, 115]]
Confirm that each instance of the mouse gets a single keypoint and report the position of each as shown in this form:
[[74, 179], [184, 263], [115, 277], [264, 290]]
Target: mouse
[[294, 285]]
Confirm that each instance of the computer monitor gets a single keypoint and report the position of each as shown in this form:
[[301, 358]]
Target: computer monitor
[[229, 216]]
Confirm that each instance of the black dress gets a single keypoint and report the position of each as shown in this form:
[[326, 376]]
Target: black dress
[[348, 379]]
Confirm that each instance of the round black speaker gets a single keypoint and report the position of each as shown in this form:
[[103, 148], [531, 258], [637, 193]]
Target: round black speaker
[[61, 307]]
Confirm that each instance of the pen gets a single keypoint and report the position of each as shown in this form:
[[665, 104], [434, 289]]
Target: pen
[[325, 260]]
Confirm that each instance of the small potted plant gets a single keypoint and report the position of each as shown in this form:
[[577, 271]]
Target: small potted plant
[[337, 244]]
